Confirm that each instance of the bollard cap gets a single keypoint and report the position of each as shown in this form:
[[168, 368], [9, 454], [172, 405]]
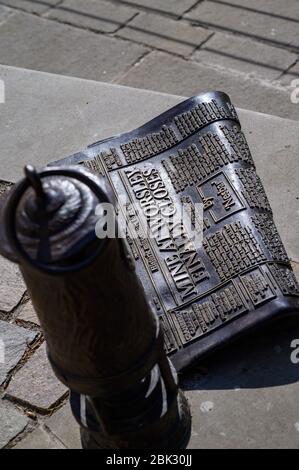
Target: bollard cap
[[50, 218]]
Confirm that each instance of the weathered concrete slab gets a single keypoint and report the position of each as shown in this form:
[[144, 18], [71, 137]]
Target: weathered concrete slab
[[12, 422], [66, 114], [35, 383], [98, 15], [246, 397], [164, 33], [13, 345], [63, 425], [38, 43], [161, 72]]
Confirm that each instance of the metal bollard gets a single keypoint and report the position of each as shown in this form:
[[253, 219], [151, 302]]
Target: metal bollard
[[104, 342]]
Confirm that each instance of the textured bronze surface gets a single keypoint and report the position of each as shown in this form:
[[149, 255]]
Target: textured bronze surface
[[241, 276]]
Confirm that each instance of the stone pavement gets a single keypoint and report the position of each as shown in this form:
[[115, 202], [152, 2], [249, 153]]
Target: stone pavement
[[249, 49], [244, 397]]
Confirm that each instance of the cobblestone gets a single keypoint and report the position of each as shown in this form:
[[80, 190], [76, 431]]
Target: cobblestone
[[27, 313], [39, 439], [12, 422], [36, 384], [12, 286], [64, 426], [14, 342]]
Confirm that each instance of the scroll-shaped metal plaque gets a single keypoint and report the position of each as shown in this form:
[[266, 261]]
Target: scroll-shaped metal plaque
[[240, 276]]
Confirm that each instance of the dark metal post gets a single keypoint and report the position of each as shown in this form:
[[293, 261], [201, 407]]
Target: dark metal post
[[104, 342]]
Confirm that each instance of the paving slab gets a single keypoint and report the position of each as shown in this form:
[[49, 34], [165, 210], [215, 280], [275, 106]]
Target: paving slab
[[251, 57], [247, 395], [288, 10], [14, 342], [164, 33], [63, 425], [39, 439], [173, 8], [35, 383], [249, 22], [38, 43], [12, 287], [161, 72], [12, 422], [32, 6], [213, 429], [97, 15]]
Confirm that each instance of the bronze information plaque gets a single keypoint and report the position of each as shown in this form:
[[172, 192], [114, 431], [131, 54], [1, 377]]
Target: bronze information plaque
[[240, 276]]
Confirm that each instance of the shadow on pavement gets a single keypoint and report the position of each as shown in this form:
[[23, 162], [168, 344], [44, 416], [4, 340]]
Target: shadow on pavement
[[262, 359]]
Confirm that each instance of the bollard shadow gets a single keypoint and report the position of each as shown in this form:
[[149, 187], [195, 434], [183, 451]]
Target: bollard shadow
[[261, 359]]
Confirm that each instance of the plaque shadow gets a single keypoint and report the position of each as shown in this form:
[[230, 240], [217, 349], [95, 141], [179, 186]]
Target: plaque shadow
[[260, 359]]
